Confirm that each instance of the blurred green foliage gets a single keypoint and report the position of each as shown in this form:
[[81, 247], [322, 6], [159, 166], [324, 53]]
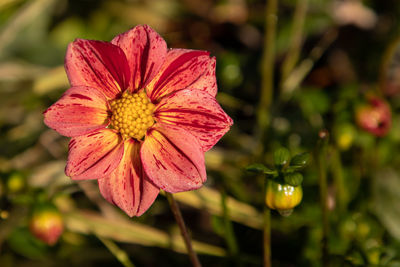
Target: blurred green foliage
[[347, 50]]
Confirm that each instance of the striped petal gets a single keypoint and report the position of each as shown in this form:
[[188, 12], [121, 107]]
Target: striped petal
[[79, 111], [208, 81], [197, 112], [94, 155], [182, 68], [173, 159], [128, 186], [97, 64], [145, 51]]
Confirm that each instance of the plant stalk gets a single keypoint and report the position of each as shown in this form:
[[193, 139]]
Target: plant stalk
[[229, 233], [268, 59], [267, 237], [181, 223], [323, 191]]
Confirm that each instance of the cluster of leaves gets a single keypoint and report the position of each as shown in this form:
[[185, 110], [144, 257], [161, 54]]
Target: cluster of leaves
[[286, 169]]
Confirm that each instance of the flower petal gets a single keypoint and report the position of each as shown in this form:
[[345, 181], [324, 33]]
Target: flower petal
[[97, 64], [128, 186], [79, 111], [145, 51], [197, 112], [208, 81], [94, 155], [182, 67], [173, 159]]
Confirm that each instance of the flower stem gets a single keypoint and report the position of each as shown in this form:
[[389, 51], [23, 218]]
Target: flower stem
[[186, 238], [267, 237], [323, 191], [338, 177], [267, 75]]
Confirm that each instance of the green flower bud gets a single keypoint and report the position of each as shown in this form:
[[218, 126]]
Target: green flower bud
[[282, 197]]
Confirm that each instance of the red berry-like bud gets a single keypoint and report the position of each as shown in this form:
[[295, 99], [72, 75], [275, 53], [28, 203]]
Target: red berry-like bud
[[375, 117], [46, 224]]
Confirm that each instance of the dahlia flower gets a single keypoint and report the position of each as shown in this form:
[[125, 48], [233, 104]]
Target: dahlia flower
[[140, 116]]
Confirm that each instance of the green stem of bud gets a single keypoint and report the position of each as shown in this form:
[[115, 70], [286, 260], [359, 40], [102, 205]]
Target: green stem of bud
[[323, 190], [267, 231]]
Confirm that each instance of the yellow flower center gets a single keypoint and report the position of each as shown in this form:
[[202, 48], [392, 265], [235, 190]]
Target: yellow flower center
[[132, 114]]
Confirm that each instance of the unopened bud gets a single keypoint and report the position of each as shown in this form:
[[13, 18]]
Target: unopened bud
[[282, 197], [15, 182], [375, 117], [46, 224]]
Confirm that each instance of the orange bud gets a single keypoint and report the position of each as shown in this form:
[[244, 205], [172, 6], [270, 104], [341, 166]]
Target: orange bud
[[46, 224]]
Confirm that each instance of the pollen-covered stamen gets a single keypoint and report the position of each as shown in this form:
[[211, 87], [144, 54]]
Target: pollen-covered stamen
[[132, 114]]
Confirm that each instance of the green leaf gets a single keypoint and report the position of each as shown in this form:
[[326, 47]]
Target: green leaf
[[86, 222], [25, 244], [385, 196], [281, 157], [294, 178], [260, 168], [217, 224], [300, 160]]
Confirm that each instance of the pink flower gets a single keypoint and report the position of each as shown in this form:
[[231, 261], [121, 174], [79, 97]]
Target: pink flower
[[375, 117], [140, 116]]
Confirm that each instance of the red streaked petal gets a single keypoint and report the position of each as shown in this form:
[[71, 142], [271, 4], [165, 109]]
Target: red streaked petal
[[197, 112], [97, 64], [173, 159], [145, 51], [149, 193], [94, 155], [208, 81], [127, 186], [182, 67], [79, 111]]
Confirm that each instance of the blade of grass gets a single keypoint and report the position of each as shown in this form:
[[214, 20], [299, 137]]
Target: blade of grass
[[293, 53], [119, 254], [87, 222], [210, 200], [51, 80], [295, 78], [29, 12]]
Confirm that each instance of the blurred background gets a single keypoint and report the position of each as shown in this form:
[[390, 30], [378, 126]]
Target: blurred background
[[336, 63]]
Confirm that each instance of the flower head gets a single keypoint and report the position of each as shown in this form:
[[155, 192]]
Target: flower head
[[140, 116], [374, 117]]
